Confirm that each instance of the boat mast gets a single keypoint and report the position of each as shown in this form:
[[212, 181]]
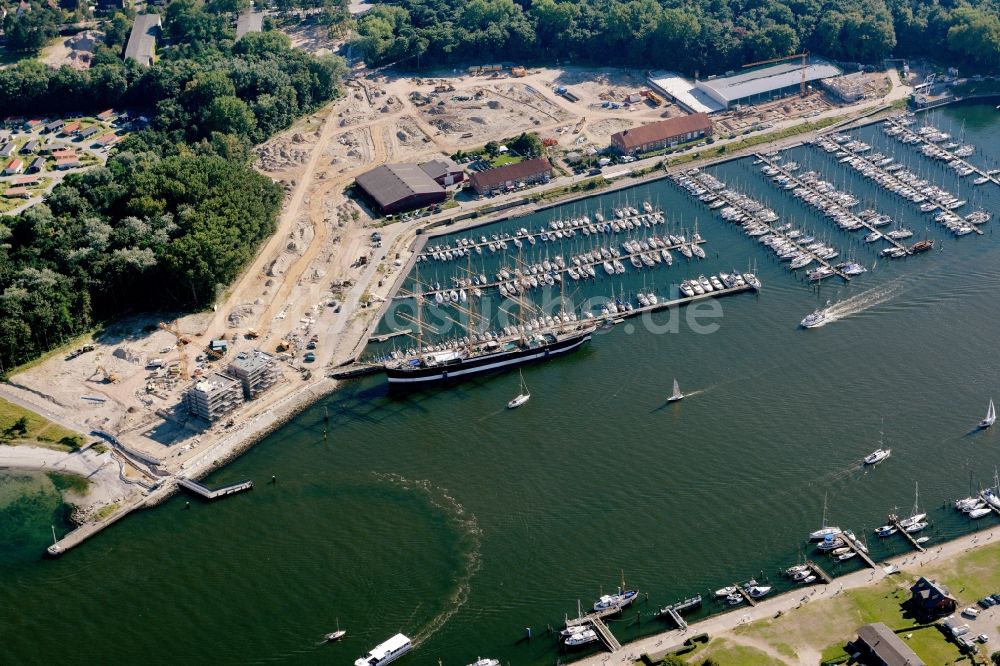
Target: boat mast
[[420, 328]]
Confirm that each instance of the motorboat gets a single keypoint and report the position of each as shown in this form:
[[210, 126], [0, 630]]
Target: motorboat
[[724, 592], [791, 571], [923, 539], [573, 629], [877, 456], [582, 638], [830, 543], [735, 599], [485, 662], [758, 591], [814, 320], [846, 556], [387, 652], [991, 416], [841, 550], [676, 395], [979, 513], [811, 578], [801, 575], [885, 531], [915, 527]]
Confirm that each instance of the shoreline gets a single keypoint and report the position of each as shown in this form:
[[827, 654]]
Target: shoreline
[[720, 624]]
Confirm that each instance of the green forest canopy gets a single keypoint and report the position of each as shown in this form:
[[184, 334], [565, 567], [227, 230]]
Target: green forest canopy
[[692, 36], [177, 211]]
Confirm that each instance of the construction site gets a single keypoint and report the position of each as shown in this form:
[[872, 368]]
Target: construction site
[[175, 393]]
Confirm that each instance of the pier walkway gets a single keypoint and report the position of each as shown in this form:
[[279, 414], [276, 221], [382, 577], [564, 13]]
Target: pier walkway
[[937, 203], [818, 570], [596, 620], [854, 545], [788, 174], [952, 156], [208, 493], [733, 199], [894, 519], [673, 611], [625, 258]]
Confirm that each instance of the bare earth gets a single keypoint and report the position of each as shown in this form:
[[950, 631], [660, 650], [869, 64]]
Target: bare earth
[[309, 263]]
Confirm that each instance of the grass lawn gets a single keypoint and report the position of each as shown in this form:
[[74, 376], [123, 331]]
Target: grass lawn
[[501, 160], [972, 576], [728, 653], [40, 431]]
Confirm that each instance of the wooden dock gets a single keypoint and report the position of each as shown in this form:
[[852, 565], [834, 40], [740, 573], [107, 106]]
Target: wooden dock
[[924, 140], [605, 634], [937, 203], [787, 174], [389, 336], [208, 493], [730, 198], [990, 504], [625, 258], [894, 519], [854, 545], [673, 611], [746, 595], [818, 570]]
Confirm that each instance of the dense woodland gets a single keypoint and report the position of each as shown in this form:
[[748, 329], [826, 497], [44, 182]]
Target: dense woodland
[[177, 211], [692, 36]]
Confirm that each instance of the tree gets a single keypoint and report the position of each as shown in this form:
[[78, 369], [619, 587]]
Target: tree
[[492, 148], [995, 658], [116, 30], [19, 427], [672, 660]]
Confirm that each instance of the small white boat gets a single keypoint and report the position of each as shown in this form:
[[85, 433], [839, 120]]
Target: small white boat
[[979, 513], [574, 629], [791, 571], [676, 395], [916, 527], [521, 398], [885, 531], [725, 591], [758, 591], [582, 638], [846, 556], [336, 635], [877, 456], [991, 416], [801, 575], [808, 579], [485, 662]]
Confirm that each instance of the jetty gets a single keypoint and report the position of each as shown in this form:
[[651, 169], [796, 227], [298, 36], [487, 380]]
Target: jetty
[[673, 611], [596, 264], [951, 156], [209, 494], [389, 336], [818, 570], [934, 201], [894, 519], [596, 621], [746, 595], [736, 200], [854, 545], [829, 202]]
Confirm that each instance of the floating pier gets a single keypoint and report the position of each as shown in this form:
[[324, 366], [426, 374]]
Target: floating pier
[[928, 142], [818, 570], [673, 611], [746, 595], [208, 493], [932, 200], [856, 547], [596, 620], [787, 174], [894, 519]]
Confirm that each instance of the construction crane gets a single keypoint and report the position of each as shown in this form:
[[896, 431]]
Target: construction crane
[[181, 341], [805, 57]]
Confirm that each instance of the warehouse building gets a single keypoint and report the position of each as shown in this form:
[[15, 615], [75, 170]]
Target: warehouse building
[[510, 176], [142, 40], [767, 83], [662, 134], [255, 370], [751, 87], [213, 397], [397, 188]]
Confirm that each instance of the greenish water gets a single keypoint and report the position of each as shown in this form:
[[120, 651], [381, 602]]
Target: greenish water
[[442, 515]]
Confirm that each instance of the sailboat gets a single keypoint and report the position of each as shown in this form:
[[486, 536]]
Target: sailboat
[[991, 416], [825, 530], [336, 635], [676, 395], [915, 517], [522, 397]]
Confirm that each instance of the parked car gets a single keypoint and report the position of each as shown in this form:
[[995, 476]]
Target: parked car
[[309, 357], [971, 612], [958, 631], [995, 597], [982, 638]]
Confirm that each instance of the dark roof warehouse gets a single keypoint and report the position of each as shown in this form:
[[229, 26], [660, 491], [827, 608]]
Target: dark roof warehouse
[[396, 188]]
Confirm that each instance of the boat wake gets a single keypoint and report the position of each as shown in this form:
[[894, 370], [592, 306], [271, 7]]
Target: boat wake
[[471, 544], [858, 303]]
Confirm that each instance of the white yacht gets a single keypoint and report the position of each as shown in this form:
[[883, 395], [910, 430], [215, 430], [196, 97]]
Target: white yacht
[[877, 456], [825, 531], [582, 638], [387, 652], [758, 591], [676, 395], [521, 397], [485, 662]]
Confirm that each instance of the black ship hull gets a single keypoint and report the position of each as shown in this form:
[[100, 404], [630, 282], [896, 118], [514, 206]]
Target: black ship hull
[[479, 365]]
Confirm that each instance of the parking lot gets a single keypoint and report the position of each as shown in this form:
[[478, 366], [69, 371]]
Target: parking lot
[[983, 622]]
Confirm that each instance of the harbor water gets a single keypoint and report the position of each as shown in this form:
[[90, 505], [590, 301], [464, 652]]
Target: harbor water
[[440, 514]]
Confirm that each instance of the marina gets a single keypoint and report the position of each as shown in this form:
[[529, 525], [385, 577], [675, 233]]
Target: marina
[[433, 515]]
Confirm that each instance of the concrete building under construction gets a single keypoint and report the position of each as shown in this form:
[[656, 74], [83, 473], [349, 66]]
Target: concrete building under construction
[[255, 371], [213, 397]]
